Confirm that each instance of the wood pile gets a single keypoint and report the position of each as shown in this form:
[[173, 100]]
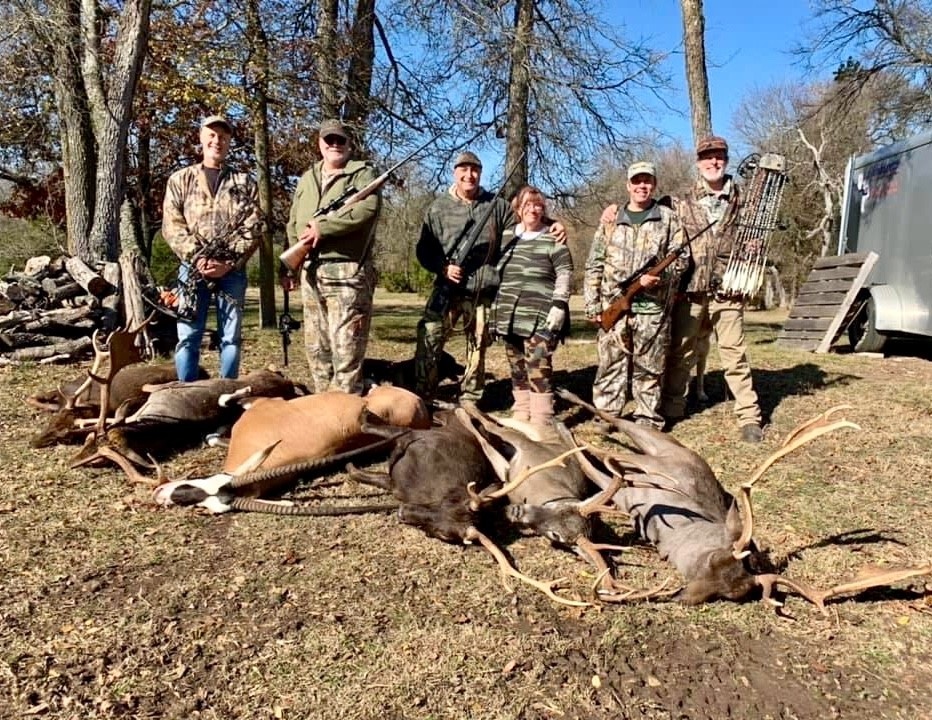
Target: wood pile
[[50, 310]]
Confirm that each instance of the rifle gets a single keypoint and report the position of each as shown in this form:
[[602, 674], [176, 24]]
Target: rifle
[[631, 286], [294, 256]]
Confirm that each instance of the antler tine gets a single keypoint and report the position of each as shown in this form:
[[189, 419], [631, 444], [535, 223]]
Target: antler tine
[[629, 594], [512, 485], [127, 467], [99, 355], [507, 570], [807, 432], [599, 503]]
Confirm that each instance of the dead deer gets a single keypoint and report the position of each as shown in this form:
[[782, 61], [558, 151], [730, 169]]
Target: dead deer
[[697, 525]]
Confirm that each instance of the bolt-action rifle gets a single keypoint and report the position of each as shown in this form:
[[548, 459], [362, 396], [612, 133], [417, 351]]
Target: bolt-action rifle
[[631, 285], [286, 325], [294, 256]]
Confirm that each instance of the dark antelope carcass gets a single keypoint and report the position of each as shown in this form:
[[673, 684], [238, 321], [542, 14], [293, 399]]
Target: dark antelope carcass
[[277, 442], [704, 531], [435, 475]]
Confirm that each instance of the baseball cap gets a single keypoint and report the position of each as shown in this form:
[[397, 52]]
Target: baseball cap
[[333, 127], [712, 142], [641, 168], [467, 158], [212, 120]]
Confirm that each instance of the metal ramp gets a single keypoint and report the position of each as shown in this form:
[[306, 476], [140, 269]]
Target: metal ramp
[[826, 302]]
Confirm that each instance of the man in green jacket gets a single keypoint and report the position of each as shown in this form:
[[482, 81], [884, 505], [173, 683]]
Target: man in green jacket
[[339, 276]]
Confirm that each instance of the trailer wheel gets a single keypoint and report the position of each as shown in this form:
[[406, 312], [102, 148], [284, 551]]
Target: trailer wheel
[[863, 333]]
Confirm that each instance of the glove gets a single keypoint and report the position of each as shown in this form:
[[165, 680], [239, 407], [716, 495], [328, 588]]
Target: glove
[[555, 319]]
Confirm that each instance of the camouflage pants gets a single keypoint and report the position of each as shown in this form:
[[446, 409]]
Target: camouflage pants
[[531, 362], [337, 301], [433, 331], [693, 320], [635, 349]]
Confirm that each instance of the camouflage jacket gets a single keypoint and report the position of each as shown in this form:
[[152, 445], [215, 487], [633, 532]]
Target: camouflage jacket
[[620, 250], [192, 217], [709, 253], [536, 273], [445, 228], [345, 235]]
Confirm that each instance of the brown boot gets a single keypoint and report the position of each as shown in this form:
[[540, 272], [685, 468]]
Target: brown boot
[[521, 410], [541, 408]]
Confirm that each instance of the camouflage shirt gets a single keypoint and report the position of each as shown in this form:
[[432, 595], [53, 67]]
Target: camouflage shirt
[[710, 252], [193, 217], [443, 232], [536, 273], [620, 250], [346, 234]]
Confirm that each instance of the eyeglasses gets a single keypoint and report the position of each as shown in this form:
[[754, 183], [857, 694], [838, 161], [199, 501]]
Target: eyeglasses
[[337, 140]]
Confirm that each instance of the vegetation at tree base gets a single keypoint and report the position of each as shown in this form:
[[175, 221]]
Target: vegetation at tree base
[[118, 109]]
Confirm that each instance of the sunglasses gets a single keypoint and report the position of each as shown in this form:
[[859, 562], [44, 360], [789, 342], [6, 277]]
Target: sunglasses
[[337, 140]]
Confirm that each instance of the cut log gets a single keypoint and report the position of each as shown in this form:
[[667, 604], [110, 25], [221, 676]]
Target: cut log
[[37, 264], [16, 340], [110, 305], [70, 348], [87, 278]]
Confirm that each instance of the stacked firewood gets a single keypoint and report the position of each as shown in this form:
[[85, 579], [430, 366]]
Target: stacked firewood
[[50, 309]]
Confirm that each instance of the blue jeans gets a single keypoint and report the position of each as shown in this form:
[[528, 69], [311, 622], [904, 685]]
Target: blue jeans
[[230, 292]]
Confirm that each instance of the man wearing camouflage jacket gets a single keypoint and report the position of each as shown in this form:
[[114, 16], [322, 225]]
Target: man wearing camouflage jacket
[[637, 345], [339, 277], [701, 309], [211, 221]]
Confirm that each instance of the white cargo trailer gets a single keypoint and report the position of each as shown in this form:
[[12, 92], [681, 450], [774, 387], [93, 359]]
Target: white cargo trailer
[[887, 209]]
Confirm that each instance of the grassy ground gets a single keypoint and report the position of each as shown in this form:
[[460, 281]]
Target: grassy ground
[[114, 608]]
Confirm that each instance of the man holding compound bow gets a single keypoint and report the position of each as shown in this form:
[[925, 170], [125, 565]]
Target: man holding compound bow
[[211, 221], [338, 279]]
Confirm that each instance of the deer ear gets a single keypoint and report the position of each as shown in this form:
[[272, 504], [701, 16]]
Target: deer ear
[[733, 523]]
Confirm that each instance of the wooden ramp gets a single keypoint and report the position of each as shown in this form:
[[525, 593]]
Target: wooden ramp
[[826, 302]]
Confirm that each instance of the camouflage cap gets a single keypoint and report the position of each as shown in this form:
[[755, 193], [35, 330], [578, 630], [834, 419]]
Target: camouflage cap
[[213, 120], [641, 168], [467, 158], [333, 127], [712, 142]]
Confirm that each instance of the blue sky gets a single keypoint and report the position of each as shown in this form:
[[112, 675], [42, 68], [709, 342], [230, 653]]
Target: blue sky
[[747, 44]]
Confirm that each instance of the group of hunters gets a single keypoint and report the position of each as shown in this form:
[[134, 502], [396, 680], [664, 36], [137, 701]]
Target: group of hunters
[[502, 269]]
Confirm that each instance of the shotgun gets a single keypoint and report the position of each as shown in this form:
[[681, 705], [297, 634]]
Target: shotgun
[[621, 305], [294, 256]]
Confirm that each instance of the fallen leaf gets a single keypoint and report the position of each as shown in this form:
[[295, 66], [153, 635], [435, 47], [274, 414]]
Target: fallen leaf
[[652, 681], [509, 666], [597, 682], [902, 620]]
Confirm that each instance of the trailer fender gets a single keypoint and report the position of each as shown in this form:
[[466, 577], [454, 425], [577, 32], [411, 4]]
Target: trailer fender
[[888, 308]]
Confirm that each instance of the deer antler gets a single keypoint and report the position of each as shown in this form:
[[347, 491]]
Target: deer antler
[[867, 577], [506, 569], [802, 434], [479, 499]]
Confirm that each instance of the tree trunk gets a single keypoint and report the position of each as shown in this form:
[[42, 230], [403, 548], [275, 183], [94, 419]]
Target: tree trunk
[[696, 76], [519, 84], [328, 72], [259, 86], [359, 76]]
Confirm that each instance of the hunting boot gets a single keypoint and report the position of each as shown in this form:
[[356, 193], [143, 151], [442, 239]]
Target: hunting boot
[[541, 408], [521, 410]]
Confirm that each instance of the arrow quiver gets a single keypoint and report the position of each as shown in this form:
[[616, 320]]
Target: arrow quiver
[[766, 178]]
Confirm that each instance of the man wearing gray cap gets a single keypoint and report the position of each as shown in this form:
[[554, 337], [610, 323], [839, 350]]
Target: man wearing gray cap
[[701, 309], [211, 221], [635, 348], [338, 279], [463, 258]]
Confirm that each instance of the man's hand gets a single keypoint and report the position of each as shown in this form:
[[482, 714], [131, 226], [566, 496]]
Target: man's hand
[[310, 236], [453, 273], [649, 281], [609, 215], [213, 269], [595, 319], [287, 282], [558, 230]]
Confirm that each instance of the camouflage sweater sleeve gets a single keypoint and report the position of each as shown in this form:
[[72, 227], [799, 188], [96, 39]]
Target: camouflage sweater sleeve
[[595, 270]]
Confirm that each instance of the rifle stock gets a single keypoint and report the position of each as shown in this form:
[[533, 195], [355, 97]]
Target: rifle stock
[[621, 306], [294, 256]]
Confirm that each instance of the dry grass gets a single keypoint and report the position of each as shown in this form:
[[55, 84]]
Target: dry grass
[[113, 608]]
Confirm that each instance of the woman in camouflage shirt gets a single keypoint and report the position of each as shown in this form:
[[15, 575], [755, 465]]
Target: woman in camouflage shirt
[[531, 311]]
